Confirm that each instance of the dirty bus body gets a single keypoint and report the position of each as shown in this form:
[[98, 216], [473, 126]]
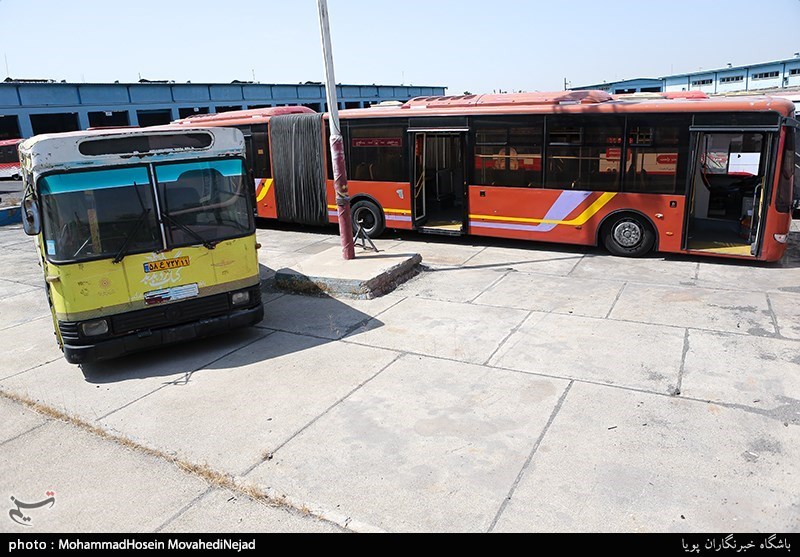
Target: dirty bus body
[[146, 236], [672, 172]]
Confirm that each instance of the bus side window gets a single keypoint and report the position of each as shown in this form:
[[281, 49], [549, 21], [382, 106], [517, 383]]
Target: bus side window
[[259, 161]]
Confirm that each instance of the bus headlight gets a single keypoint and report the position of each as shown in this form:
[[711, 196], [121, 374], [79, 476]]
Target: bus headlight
[[240, 298], [94, 328]]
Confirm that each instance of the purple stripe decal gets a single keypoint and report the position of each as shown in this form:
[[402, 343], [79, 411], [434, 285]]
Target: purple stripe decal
[[567, 202], [501, 226], [398, 217]]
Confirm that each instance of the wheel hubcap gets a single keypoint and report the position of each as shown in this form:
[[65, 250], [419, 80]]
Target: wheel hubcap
[[627, 234], [365, 217]]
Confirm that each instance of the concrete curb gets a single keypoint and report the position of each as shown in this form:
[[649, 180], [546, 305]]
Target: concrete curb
[[382, 282]]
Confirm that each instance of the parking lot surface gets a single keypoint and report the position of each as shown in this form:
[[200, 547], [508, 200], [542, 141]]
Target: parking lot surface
[[508, 387]]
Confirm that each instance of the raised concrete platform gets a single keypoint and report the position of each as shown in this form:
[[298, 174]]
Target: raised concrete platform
[[367, 276]]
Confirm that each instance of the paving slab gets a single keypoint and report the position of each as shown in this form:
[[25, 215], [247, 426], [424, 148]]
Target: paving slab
[[428, 445], [786, 308], [454, 284], [28, 345], [367, 276], [289, 240], [21, 266], [17, 420], [23, 307], [439, 254], [578, 296], [464, 332], [223, 511], [621, 461], [754, 277], [13, 236], [618, 353], [656, 269], [98, 486], [558, 260], [720, 310], [322, 316], [759, 372], [246, 405], [91, 391], [12, 288]]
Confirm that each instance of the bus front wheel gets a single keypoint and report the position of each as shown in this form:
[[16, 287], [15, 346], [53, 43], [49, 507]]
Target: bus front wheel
[[370, 216], [628, 236]]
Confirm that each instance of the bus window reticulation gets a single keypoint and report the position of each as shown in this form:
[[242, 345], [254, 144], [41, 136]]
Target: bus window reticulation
[[147, 238], [673, 172]]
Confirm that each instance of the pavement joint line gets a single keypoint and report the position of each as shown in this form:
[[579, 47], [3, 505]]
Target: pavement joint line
[[269, 454], [508, 336], [181, 381], [616, 299], [773, 316], [697, 271], [494, 283], [31, 368], [212, 477], [682, 368], [182, 510], [732, 405], [45, 316], [278, 297], [578, 262], [527, 462], [26, 432], [364, 322], [471, 257], [504, 264]]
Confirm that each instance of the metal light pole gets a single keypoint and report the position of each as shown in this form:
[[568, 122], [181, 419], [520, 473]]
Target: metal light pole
[[337, 144]]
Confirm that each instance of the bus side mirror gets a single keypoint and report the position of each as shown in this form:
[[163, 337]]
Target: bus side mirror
[[31, 223]]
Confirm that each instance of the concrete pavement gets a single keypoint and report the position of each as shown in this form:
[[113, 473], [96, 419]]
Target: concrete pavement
[[508, 387]]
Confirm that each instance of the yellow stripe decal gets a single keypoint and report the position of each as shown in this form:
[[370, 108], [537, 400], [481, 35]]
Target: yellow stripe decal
[[391, 211], [580, 220], [264, 190]]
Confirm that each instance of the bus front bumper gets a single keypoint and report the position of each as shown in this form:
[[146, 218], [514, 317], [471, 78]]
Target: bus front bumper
[[128, 344]]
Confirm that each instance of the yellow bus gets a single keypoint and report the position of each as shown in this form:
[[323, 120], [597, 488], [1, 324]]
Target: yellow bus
[[146, 236]]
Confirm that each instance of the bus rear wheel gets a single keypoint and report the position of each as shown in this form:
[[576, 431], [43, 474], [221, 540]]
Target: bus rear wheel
[[370, 216], [629, 236]]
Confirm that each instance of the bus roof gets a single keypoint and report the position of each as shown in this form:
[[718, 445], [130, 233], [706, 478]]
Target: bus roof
[[562, 102], [51, 151], [240, 117], [574, 102]]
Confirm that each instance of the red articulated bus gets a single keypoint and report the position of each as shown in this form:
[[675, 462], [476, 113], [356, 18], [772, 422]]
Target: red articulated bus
[[9, 159], [673, 172]]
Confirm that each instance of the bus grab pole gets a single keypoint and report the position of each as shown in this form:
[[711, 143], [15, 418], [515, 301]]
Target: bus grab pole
[[337, 143]]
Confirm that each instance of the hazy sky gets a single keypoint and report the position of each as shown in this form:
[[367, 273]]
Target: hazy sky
[[470, 45]]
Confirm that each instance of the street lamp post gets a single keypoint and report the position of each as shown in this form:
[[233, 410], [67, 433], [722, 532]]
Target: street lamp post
[[337, 144]]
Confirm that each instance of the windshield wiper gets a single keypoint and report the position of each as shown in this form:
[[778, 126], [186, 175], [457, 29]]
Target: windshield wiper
[[123, 249], [209, 244]]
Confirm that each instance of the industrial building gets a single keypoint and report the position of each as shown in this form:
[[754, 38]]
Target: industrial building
[[30, 107], [773, 77]]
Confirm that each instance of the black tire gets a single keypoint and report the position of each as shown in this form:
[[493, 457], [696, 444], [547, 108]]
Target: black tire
[[628, 235], [370, 215]]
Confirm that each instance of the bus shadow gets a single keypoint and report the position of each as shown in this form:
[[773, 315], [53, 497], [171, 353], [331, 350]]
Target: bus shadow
[[292, 325]]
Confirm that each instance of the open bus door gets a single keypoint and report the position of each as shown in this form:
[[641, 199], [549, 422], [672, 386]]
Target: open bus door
[[728, 190], [438, 180]]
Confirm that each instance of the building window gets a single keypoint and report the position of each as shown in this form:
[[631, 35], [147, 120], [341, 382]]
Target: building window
[[795, 71], [732, 79], [700, 82], [766, 75]]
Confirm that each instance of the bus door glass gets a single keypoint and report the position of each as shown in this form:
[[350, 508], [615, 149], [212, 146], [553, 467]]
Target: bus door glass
[[728, 192], [439, 185]]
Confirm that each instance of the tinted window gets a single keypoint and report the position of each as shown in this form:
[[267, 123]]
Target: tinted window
[[583, 153], [508, 153], [783, 198], [145, 144], [658, 147], [376, 154]]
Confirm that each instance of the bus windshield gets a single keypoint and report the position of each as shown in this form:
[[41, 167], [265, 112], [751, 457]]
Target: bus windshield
[[112, 212], [92, 214], [205, 200]]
